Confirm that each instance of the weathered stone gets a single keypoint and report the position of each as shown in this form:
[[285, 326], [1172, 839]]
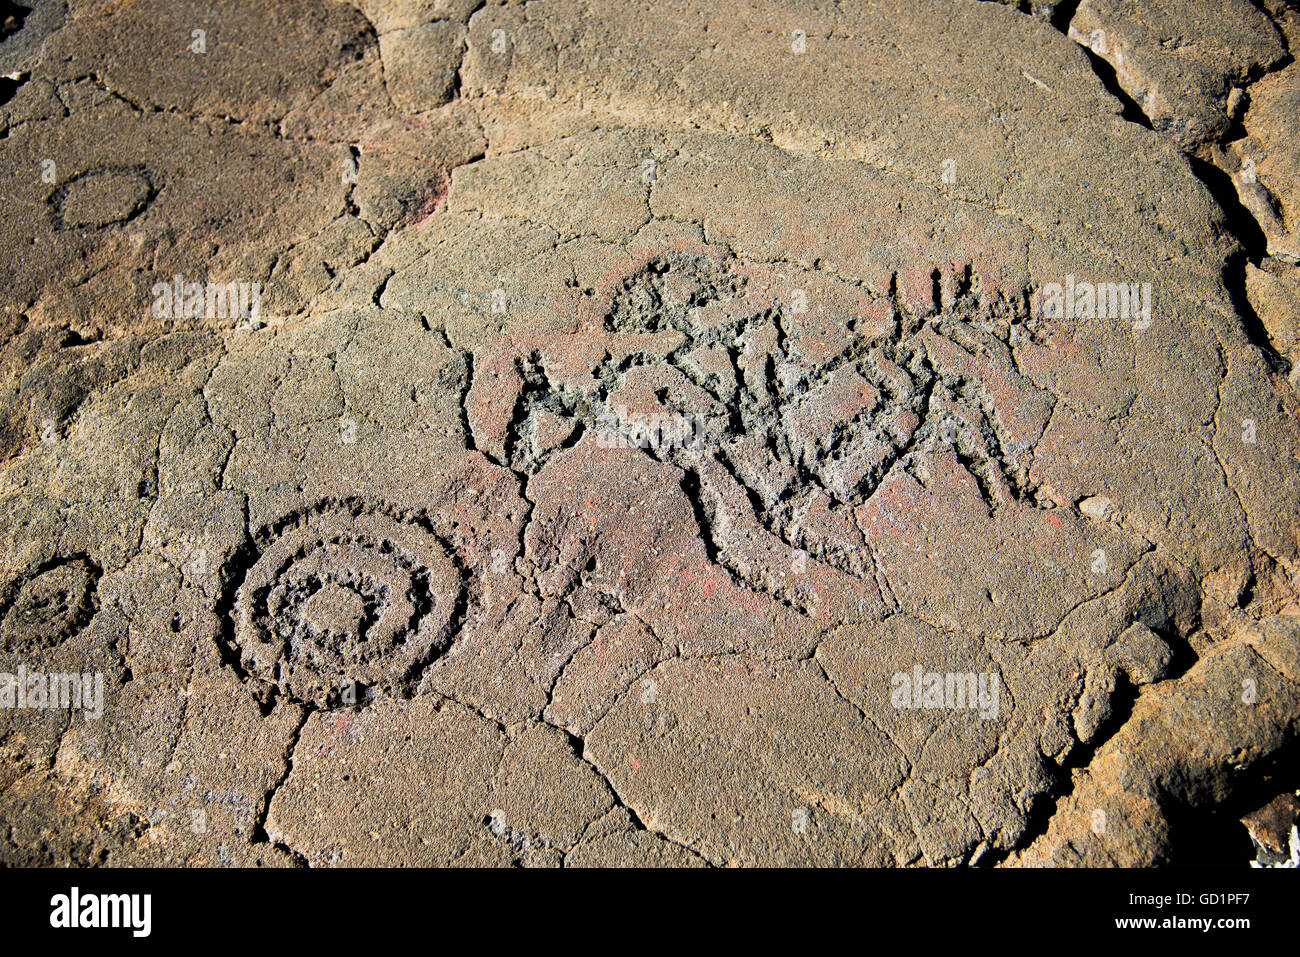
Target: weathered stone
[[624, 434]]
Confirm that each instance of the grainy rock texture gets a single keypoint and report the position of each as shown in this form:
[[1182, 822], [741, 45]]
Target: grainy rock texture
[[619, 434]]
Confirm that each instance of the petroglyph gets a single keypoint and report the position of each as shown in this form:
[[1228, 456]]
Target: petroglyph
[[579, 416]]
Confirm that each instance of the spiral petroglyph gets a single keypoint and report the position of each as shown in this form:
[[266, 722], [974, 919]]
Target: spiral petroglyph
[[339, 603]]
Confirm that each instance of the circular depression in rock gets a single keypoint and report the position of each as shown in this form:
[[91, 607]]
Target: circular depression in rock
[[50, 607], [338, 601], [103, 198]]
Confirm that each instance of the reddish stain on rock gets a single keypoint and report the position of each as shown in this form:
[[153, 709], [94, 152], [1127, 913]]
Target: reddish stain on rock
[[435, 199]]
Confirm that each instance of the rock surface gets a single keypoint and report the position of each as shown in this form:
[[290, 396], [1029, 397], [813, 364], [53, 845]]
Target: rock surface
[[610, 434]]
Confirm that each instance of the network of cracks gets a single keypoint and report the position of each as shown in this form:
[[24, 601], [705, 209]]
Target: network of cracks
[[792, 411]]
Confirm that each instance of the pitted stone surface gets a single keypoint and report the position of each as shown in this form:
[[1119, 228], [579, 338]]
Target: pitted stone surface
[[645, 407]]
